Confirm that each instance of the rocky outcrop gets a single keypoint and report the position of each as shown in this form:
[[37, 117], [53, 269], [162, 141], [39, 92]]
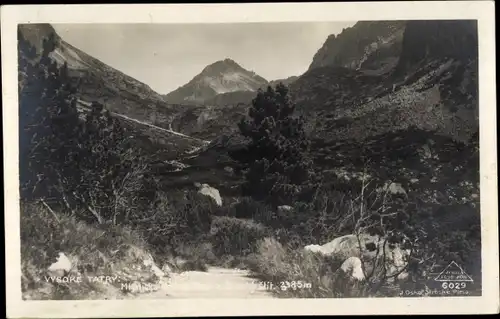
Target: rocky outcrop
[[369, 45], [437, 39]]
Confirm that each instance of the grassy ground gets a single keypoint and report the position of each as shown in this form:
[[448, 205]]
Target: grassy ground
[[245, 235], [93, 251], [188, 231]]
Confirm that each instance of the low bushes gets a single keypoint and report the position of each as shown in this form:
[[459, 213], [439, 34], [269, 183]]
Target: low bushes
[[437, 238], [287, 267], [234, 236], [100, 250], [175, 219]]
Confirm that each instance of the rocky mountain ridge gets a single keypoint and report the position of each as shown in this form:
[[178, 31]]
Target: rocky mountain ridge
[[369, 45], [99, 82], [224, 76]]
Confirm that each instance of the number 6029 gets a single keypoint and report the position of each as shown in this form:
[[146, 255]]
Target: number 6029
[[454, 285]]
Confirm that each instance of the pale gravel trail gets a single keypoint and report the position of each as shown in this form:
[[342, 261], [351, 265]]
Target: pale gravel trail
[[85, 106], [215, 283]]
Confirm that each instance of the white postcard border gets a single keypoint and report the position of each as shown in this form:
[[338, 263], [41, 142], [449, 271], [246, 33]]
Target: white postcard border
[[483, 11]]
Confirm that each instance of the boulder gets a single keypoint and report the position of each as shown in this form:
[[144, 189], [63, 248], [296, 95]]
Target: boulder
[[369, 249], [349, 245], [62, 265], [206, 190], [395, 189], [352, 268], [285, 208], [313, 248], [425, 152]]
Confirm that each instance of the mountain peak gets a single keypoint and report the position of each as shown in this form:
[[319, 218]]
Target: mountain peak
[[223, 76], [229, 61], [222, 66]]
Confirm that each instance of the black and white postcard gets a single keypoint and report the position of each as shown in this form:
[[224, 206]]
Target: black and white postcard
[[250, 159]]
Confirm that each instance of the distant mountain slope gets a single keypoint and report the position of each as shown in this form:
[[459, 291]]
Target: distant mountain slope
[[426, 40], [416, 125], [287, 81], [219, 114], [221, 77], [231, 98], [243, 97], [425, 87], [428, 98], [430, 88], [144, 114], [100, 82], [368, 45]]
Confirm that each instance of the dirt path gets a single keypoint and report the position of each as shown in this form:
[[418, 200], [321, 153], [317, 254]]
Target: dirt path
[[215, 283], [85, 106]]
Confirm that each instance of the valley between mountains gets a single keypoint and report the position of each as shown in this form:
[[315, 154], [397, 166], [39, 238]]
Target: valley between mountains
[[151, 187]]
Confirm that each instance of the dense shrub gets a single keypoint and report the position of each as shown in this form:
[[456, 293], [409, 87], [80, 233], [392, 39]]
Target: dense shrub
[[116, 179], [175, 219], [327, 216], [234, 236], [286, 267], [447, 234], [247, 207]]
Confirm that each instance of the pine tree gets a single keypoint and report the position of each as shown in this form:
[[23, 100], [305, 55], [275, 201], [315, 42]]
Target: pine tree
[[279, 169], [86, 164], [49, 123]]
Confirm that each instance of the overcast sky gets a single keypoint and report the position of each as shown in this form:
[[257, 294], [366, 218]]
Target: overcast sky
[[166, 56]]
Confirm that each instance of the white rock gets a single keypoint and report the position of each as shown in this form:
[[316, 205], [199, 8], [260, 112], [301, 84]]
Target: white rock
[[206, 190], [396, 188], [314, 248], [358, 246], [348, 245], [352, 267], [426, 151], [285, 208], [62, 264]]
